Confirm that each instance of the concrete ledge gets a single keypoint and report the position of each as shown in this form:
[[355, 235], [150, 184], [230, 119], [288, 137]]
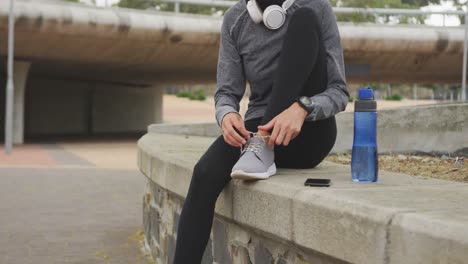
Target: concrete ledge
[[201, 129], [440, 128], [433, 128], [400, 219], [421, 236]]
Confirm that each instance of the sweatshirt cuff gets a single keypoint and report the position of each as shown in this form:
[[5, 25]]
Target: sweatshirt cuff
[[222, 111], [318, 108]]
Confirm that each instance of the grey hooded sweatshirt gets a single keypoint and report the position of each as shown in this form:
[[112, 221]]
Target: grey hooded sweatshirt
[[250, 52]]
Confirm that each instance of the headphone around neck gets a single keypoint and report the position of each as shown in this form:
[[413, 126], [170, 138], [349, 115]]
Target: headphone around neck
[[274, 15]]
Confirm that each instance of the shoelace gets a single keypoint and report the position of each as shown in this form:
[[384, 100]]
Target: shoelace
[[254, 146]]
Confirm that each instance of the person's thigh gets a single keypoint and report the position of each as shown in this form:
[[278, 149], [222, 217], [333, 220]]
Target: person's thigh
[[310, 147]]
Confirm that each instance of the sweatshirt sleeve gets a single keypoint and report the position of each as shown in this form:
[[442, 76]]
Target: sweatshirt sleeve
[[230, 75], [335, 98]]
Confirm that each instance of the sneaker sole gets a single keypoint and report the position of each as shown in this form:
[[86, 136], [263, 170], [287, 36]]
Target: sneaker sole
[[240, 174]]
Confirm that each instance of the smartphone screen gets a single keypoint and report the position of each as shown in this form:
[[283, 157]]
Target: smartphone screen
[[317, 182]]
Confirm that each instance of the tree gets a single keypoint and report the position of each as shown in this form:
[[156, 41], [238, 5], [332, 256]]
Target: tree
[[354, 17], [138, 4], [404, 4], [163, 6], [93, 2], [384, 3]]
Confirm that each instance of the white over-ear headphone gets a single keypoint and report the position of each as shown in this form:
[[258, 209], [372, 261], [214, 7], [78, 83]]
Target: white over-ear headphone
[[273, 17]]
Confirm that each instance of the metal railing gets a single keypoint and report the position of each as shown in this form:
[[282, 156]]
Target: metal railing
[[398, 12], [337, 10]]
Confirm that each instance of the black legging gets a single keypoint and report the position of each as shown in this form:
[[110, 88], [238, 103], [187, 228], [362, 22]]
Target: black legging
[[302, 70]]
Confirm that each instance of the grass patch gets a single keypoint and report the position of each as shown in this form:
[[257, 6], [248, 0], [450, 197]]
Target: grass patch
[[427, 166], [394, 97], [196, 95]]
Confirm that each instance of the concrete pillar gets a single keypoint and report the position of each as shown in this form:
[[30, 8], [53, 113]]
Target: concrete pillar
[[20, 78], [158, 92]]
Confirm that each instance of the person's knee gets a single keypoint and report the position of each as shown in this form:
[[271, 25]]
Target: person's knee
[[304, 13], [201, 173], [206, 183], [304, 22], [208, 176]]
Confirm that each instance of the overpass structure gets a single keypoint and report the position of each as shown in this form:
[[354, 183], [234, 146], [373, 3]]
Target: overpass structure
[[88, 70]]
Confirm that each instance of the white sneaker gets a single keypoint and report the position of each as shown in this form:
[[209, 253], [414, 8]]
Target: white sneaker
[[257, 161]]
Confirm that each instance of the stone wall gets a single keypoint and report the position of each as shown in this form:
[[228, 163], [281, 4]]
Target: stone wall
[[228, 243], [399, 219]]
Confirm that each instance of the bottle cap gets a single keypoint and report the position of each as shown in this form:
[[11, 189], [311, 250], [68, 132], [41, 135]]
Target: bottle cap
[[366, 94]]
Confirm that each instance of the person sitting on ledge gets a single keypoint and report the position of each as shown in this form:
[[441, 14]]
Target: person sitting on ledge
[[290, 52]]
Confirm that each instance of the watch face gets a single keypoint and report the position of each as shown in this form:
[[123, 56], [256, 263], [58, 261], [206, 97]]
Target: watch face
[[305, 100]]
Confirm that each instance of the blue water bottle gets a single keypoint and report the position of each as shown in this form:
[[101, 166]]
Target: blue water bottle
[[364, 160]]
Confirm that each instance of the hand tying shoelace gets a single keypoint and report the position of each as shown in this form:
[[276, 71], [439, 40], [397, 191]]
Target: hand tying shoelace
[[254, 146]]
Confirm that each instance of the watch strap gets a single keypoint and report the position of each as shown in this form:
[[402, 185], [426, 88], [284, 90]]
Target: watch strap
[[309, 110]]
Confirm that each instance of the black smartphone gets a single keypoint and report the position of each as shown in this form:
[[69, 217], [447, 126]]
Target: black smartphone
[[317, 182]]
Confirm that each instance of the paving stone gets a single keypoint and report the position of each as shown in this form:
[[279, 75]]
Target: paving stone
[[170, 246], [155, 220], [147, 219], [175, 224], [263, 255], [221, 253], [240, 255], [281, 260], [208, 254], [157, 193], [156, 252]]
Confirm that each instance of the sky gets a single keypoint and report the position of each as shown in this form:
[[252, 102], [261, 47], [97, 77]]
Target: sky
[[437, 20], [103, 2]]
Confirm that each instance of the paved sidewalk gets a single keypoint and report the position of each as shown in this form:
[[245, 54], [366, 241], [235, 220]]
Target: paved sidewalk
[[59, 205], [99, 154], [182, 110]]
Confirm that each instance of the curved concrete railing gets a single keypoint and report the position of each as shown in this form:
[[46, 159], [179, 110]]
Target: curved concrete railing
[[438, 128], [144, 47], [400, 219]]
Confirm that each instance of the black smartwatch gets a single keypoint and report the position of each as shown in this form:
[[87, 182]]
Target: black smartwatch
[[305, 103]]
